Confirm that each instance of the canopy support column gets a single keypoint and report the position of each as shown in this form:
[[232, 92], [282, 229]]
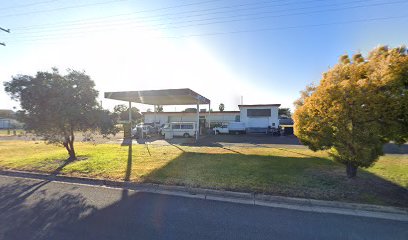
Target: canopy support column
[[130, 118], [198, 121], [209, 117], [130, 114]]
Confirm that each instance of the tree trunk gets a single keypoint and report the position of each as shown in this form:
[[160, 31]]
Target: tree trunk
[[69, 145], [72, 155], [351, 170]]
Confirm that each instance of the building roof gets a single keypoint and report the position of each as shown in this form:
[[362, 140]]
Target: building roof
[[182, 96], [260, 105], [217, 112], [6, 113]]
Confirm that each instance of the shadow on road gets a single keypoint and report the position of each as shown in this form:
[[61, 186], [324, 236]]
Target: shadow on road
[[43, 217]]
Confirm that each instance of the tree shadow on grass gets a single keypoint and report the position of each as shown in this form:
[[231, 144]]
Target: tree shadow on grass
[[25, 212], [306, 177]]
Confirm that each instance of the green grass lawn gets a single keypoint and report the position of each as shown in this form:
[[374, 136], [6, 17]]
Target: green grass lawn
[[280, 171]]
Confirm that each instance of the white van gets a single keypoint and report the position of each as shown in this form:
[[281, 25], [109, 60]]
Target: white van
[[180, 129]]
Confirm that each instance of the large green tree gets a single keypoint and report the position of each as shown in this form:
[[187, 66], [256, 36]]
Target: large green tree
[[360, 105], [56, 106], [122, 111]]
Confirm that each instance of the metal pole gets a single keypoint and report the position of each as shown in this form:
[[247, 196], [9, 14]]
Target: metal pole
[[130, 118], [198, 120], [209, 117], [130, 114]]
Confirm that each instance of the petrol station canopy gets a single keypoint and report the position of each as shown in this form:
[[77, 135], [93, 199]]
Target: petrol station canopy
[[182, 96]]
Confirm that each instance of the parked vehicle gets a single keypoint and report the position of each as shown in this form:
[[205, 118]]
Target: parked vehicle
[[231, 128], [223, 129], [180, 129], [274, 131], [139, 129], [160, 130], [237, 128]]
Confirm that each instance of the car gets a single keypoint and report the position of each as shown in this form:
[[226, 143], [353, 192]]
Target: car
[[142, 130]]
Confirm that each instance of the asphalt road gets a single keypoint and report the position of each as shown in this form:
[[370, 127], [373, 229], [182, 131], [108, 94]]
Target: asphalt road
[[35, 209]]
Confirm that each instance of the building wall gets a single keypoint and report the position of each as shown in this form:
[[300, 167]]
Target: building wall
[[218, 117], [151, 118], [272, 120], [6, 123], [164, 117]]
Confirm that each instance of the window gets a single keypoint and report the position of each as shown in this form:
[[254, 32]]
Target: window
[[259, 112], [237, 118], [176, 126], [187, 126]]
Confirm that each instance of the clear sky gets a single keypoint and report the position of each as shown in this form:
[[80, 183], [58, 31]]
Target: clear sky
[[265, 51]]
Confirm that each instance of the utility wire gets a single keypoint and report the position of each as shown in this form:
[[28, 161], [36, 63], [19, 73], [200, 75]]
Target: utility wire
[[101, 3], [135, 13], [105, 27], [179, 15], [247, 30], [294, 27], [200, 20], [28, 5], [257, 17], [61, 8]]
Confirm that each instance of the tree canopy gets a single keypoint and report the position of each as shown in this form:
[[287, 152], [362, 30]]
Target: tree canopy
[[122, 111], [359, 105], [159, 108], [221, 107], [284, 112], [55, 106]]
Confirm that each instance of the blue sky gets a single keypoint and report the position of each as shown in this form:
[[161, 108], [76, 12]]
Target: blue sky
[[265, 51]]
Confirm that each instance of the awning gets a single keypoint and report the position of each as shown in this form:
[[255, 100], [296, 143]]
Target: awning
[[183, 96]]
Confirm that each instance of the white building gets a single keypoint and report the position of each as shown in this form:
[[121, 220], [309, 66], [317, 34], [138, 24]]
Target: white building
[[257, 116], [216, 118]]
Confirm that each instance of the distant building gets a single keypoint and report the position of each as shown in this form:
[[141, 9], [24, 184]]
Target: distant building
[[7, 123], [8, 119]]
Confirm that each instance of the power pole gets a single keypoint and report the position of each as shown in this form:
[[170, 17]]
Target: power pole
[[5, 30]]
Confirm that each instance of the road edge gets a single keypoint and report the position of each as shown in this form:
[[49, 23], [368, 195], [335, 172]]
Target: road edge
[[259, 199]]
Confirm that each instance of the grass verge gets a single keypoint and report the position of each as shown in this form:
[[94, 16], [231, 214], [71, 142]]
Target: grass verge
[[280, 171]]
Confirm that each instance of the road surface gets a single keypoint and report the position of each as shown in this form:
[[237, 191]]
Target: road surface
[[39, 209]]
